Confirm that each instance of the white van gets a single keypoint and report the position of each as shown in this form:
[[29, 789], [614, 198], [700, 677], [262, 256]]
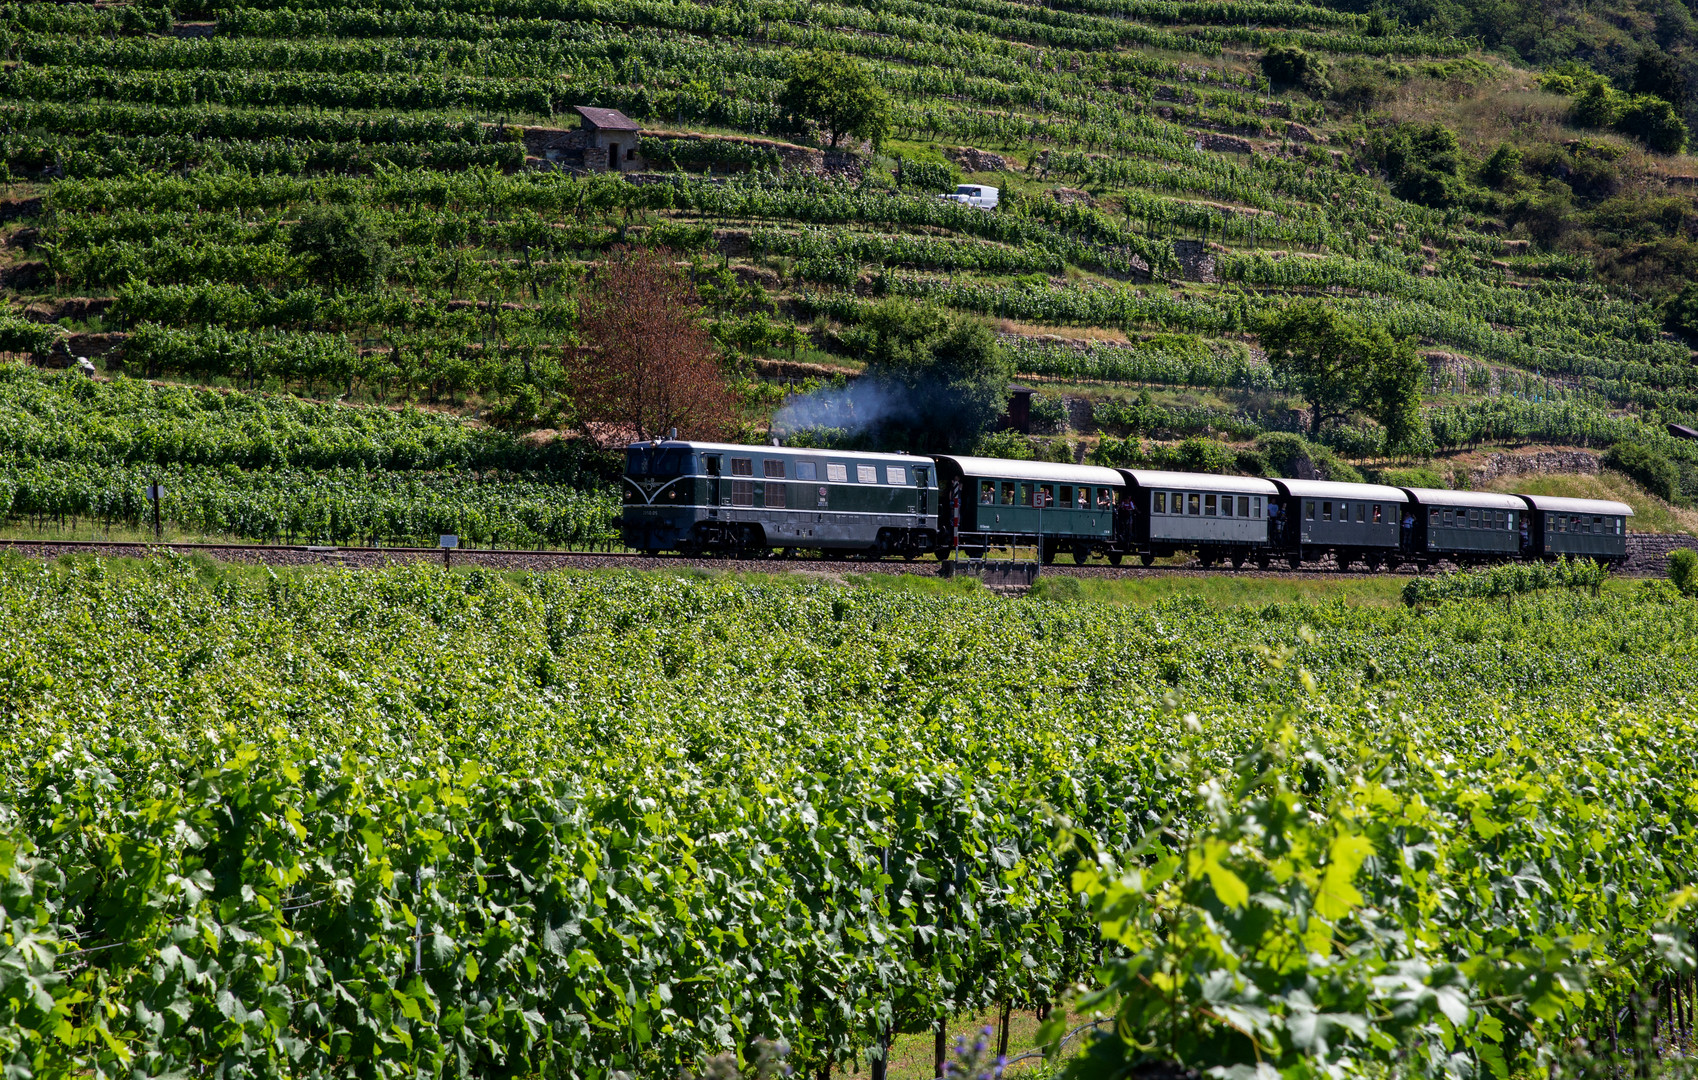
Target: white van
[[973, 195]]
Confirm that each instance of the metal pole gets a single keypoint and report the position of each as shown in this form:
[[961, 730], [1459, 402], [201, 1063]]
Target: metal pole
[[155, 494]]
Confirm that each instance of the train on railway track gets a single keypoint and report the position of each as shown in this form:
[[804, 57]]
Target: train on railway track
[[701, 498]]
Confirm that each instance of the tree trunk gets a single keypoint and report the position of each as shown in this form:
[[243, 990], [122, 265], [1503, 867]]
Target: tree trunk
[[1002, 1034], [938, 1044]]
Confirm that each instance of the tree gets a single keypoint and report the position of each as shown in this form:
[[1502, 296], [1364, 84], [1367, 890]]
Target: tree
[[1503, 169], [838, 93], [1343, 367], [648, 363], [340, 246], [945, 378], [1658, 74]]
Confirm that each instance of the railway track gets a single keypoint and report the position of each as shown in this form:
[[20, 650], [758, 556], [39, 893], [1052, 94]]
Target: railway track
[[525, 559]]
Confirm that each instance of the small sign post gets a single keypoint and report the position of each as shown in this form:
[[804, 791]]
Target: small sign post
[[155, 491], [447, 542]]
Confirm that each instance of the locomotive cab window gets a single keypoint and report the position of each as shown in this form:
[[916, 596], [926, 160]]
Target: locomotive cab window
[[807, 470]]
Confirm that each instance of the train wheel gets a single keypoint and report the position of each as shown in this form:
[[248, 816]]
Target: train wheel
[[1147, 558], [1081, 554]]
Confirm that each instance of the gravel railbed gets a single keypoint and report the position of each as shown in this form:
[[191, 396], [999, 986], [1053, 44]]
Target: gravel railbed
[[367, 558]]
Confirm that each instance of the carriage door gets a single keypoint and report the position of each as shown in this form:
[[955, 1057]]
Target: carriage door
[[923, 477], [713, 484]]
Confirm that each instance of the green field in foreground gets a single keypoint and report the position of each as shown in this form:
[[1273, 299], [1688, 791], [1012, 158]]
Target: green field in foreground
[[479, 824]]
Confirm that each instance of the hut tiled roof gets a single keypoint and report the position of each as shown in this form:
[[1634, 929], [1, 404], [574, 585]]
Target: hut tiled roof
[[607, 119]]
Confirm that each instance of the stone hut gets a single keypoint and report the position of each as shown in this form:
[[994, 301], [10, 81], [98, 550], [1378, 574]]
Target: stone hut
[[605, 140]]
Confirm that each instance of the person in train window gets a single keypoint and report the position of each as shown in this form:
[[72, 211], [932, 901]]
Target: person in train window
[[1007, 493], [1105, 498], [1084, 502], [1194, 505], [987, 492], [1377, 514]]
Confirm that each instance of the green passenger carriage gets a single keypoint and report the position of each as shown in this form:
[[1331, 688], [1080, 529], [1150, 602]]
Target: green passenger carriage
[[1578, 528], [1068, 508]]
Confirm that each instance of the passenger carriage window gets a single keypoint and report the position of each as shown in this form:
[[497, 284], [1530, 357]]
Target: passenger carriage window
[[1574, 524], [742, 466], [807, 470], [866, 474], [1046, 495], [1025, 494], [773, 470], [1008, 493], [1158, 503], [1448, 519], [1226, 506], [1309, 509], [1598, 525], [1361, 512], [1105, 498], [1257, 506], [895, 474], [987, 492], [1067, 496], [1175, 503], [775, 496], [1433, 517], [837, 474], [1084, 498], [1194, 505], [1243, 506], [1208, 506], [1378, 514]]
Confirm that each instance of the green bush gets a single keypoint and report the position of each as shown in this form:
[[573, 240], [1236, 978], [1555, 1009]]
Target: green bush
[[1653, 122], [1656, 473], [1289, 65], [1049, 414], [1288, 454], [1683, 570], [939, 176], [340, 246]]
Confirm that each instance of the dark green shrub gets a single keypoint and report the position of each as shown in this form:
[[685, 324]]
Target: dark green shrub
[[1656, 473], [1654, 122], [340, 247], [1683, 570], [1289, 65]]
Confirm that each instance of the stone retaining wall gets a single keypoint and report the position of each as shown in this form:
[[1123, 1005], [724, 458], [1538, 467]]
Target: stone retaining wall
[[1648, 553]]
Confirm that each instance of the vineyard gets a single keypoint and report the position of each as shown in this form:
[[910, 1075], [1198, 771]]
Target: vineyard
[[1161, 193], [473, 825]]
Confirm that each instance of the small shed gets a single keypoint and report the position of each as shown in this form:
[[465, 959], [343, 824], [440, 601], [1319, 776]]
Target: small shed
[[1018, 415], [610, 140]]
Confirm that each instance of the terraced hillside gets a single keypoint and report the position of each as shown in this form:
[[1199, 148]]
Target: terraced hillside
[[1159, 195]]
